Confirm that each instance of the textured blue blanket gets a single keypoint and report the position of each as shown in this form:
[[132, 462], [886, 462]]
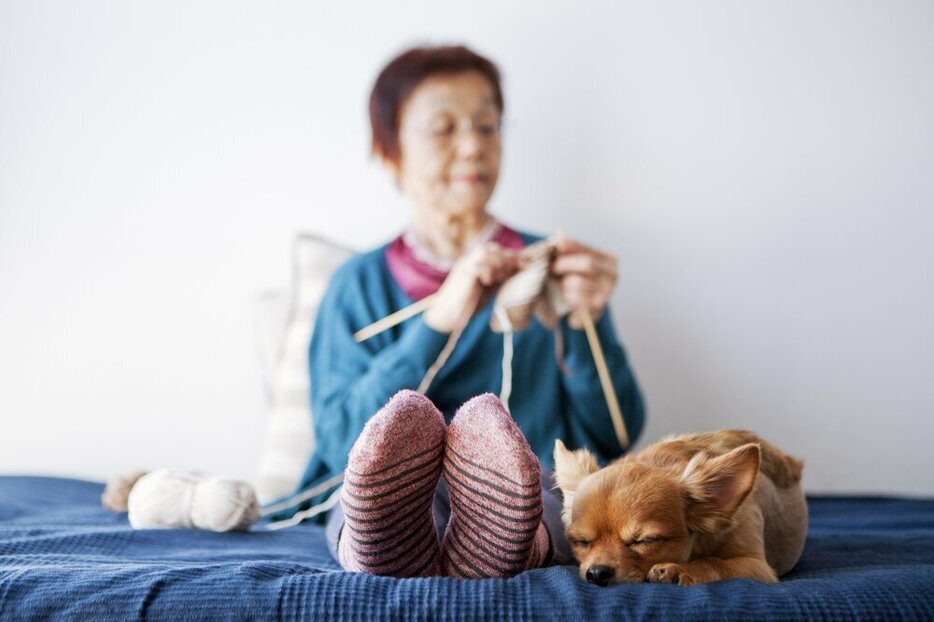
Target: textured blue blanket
[[63, 557]]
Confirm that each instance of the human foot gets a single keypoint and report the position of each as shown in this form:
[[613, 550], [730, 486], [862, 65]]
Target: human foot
[[389, 489], [494, 481]]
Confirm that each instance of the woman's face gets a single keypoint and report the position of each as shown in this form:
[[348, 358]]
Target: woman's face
[[450, 145]]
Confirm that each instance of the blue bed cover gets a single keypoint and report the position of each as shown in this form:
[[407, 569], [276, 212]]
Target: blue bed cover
[[64, 557]]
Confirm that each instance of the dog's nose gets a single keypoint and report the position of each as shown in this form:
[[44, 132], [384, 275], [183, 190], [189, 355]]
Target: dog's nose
[[599, 575]]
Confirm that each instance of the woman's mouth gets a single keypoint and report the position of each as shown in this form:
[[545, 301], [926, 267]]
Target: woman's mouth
[[471, 178]]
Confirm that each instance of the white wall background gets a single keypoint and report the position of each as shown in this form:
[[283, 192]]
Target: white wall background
[[763, 170]]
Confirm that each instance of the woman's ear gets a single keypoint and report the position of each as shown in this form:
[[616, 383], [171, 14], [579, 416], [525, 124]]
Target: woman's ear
[[391, 167]]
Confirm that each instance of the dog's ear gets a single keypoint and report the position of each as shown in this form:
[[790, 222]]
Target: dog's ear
[[715, 487], [570, 468]]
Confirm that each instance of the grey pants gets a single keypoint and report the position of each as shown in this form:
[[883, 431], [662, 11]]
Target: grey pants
[[551, 500]]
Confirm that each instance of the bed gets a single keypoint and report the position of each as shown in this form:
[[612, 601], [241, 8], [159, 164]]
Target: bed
[[64, 557]]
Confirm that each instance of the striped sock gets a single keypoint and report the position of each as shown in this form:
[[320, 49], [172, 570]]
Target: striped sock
[[389, 489], [494, 481]]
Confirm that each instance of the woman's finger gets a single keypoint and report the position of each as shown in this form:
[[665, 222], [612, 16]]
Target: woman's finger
[[584, 263], [576, 289], [567, 245], [582, 291]]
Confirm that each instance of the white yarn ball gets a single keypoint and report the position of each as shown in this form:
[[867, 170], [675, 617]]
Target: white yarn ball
[[223, 505], [164, 499]]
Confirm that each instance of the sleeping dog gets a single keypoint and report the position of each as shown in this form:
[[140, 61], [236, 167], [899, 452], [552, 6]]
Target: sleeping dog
[[686, 510]]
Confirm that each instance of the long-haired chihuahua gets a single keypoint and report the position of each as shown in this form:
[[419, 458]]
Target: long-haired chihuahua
[[686, 510]]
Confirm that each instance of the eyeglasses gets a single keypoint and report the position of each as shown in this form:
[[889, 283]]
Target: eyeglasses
[[443, 129]]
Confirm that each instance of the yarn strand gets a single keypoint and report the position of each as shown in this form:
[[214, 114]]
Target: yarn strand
[[314, 510], [303, 495], [448, 347], [506, 389]]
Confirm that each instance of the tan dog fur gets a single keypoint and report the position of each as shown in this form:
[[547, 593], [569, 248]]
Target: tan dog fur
[[686, 510]]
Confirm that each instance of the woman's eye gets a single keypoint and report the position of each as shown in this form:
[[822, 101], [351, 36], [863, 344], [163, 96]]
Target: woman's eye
[[487, 128], [442, 129]]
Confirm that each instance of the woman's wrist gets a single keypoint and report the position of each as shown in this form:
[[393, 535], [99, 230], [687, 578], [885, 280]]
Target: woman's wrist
[[440, 320]]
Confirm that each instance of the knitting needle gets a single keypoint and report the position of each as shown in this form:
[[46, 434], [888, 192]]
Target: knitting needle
[[603, 371], [394, 318]]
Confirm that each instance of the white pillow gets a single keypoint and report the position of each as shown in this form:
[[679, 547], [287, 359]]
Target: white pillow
[[284, 348]]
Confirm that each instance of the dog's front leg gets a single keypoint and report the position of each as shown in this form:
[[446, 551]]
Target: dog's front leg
[[713, 569]]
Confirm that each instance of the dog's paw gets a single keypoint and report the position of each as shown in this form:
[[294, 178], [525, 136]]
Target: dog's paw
[[671, 573]]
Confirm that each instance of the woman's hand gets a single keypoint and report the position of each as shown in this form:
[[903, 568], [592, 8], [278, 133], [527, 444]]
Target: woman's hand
[[587, 278], [484, 267]]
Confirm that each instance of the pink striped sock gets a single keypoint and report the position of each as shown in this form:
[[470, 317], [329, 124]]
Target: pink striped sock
[[494, 481], [389, 489]]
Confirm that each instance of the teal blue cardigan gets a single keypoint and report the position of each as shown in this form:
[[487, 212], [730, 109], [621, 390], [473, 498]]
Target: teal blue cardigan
[[350, 381]]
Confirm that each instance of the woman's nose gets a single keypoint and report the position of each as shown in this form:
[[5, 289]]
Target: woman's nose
[[468, 141]]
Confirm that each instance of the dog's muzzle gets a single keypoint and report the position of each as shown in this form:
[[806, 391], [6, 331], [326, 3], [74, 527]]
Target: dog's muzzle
[[599, 575]]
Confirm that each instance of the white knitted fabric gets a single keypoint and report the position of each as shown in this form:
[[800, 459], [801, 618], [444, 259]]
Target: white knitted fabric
[[530, 290], [164, 499]]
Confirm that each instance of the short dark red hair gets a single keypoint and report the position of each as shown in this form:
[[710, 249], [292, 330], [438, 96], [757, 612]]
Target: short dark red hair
[[404, 73]]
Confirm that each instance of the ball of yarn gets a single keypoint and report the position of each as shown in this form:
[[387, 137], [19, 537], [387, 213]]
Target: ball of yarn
[[224, 505], [117, 491], [167, 499]]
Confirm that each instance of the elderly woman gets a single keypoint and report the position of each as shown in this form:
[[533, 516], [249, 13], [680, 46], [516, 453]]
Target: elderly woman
[[426, 492]]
